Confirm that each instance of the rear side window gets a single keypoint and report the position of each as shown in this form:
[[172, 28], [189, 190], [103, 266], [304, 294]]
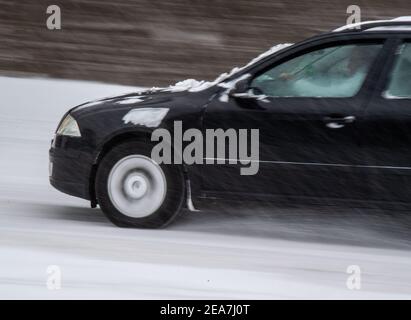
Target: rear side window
[[334, 72], [399, 86]]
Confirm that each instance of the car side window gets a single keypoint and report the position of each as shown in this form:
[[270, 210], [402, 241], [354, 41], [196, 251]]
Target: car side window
[[334, 72], [399, 86]]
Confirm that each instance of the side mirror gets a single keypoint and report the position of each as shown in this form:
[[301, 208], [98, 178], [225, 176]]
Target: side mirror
[[241, 88], [243, 92]]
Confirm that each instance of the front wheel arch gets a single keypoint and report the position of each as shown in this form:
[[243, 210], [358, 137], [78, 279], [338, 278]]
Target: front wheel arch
[[139, 136], [135, 136], [161, 217]]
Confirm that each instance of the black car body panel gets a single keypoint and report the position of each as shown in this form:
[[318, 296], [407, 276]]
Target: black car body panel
[[299, 156]]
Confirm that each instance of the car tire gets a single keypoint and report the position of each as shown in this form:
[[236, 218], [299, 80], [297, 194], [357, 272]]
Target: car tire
[[134, 191]]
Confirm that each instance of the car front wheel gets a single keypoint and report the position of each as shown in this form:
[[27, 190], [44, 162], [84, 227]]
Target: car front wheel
[[135, 191]]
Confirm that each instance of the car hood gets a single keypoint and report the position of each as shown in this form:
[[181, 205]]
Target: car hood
[[149, 98], [155, 97]]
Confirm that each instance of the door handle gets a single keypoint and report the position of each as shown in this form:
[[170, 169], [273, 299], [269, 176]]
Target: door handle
[[338, 123]]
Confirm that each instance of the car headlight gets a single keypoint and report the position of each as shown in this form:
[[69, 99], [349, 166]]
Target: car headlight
[[69, 127]]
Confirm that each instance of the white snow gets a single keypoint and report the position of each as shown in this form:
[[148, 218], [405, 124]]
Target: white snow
[[251, 95], [390, 96], [148, 117], [404, 18], [270, 253], [265, 54], [193, 85], [132, 100], [91, 104], [359, 24], [391, 28]]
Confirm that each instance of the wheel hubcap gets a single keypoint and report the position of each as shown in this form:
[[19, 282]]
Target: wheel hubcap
[[137, 186]]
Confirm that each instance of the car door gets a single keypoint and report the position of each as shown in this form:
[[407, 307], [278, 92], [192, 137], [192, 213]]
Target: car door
[[307, 113], [387, 128]]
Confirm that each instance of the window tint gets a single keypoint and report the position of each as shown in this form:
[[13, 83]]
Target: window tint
[[400, 82], [333, 72]]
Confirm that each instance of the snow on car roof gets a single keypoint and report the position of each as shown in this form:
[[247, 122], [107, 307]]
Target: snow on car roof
[[359, 24]]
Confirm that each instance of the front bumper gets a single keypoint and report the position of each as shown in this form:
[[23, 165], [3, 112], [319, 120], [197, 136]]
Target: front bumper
[[70, 167]]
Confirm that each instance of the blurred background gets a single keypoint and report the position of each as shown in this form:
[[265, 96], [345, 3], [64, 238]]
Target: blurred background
[[246, 253], [155, 43]]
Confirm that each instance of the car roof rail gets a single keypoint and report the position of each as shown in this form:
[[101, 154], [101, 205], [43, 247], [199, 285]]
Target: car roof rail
[[395, 24]]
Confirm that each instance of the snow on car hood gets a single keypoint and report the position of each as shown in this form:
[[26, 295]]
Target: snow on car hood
[[189, 85], [149, 117]]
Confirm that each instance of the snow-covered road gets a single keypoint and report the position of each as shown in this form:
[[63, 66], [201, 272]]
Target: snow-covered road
[[259, 253]]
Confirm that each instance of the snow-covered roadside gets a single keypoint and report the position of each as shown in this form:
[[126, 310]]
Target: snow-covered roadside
[[205, 255]]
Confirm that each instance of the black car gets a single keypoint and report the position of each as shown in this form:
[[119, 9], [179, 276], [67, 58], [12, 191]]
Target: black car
[[333, 115]]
